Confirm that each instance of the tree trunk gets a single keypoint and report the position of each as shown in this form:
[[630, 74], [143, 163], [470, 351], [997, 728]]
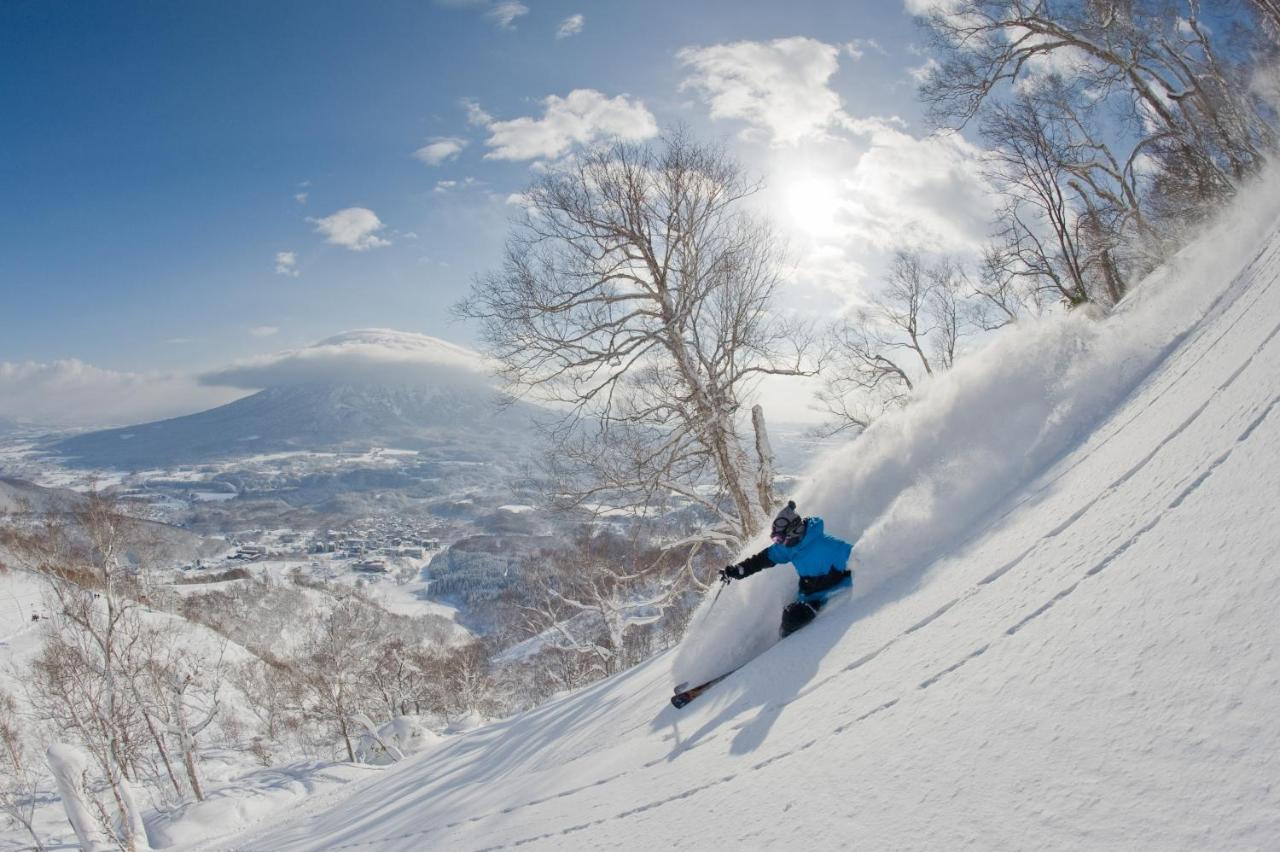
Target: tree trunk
[[764, 462], [164, 753], [187, 745], [346, 737]]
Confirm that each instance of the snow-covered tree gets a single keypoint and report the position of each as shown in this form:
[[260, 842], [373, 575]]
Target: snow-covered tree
[[333, 669], [593, 596]]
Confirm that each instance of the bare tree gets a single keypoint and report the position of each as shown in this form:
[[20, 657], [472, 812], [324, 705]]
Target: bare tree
[[637, 292], [335, 666], [1269, 13], [911, 329], [1183, 95], [394, 677], [466, 678], [269, 689], [190, 684], [1069, 201]]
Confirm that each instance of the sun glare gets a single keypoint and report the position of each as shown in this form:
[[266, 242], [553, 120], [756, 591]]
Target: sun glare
[[811, 204]]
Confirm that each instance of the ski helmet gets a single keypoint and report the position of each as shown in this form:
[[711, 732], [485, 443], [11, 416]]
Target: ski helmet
[[788, 527]]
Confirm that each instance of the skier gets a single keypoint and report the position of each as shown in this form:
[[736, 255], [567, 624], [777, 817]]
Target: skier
[[821, 561]]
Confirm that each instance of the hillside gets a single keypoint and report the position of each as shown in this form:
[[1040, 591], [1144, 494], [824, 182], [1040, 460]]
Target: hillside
[[1068, 643]]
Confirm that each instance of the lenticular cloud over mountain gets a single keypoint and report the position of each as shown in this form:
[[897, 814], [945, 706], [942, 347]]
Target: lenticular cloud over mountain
[[369, 355], [356, 390]]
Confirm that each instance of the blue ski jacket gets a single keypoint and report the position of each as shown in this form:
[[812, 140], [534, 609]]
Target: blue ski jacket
[[821, 560]]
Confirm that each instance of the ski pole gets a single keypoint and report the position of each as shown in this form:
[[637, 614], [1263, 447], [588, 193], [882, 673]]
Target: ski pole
[[724, 581]]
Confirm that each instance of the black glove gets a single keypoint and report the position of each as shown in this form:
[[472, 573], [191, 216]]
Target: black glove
[[731, 572]]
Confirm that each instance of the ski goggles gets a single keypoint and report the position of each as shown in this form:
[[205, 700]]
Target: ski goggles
[[784, 529]]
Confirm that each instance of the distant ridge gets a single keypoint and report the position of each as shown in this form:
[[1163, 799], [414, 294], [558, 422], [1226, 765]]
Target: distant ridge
[[366, 388], [317, 417]]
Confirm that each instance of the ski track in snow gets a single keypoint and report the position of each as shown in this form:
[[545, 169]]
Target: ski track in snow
[[848, 722]]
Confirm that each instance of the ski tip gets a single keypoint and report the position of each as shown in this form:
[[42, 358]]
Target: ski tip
[[681, 687], [678, 701]]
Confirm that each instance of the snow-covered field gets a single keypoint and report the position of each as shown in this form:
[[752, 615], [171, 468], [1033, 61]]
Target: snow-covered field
[[1062, 634]]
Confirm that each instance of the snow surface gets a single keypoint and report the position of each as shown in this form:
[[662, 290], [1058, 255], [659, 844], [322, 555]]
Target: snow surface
[[1062, 635]]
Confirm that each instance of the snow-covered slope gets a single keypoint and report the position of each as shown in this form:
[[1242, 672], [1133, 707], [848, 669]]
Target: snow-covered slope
[[1063, 633]]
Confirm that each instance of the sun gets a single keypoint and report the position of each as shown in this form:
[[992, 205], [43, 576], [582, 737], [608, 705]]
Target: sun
[[811, 203]]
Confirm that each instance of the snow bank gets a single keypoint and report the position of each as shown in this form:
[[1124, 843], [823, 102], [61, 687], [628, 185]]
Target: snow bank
[[256, 797], [924, 480]]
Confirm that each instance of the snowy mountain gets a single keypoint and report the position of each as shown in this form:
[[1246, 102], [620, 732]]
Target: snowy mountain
[[362, 389], [1062, 633]]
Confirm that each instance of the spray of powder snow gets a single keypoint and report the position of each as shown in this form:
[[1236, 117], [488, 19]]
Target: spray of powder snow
[[922, 479]]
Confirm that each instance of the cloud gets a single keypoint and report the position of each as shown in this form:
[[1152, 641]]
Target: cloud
[[928, 7], [927, 193], [449, 185], [372, 355], [584, 116], [476, 116], [505, 13], [72, 393], [301, 197], [857, 48], [264, 330], [884, 190], [354, 228], [287, 264], [570, 26], [781, 86], [921, 73], [439, 149]]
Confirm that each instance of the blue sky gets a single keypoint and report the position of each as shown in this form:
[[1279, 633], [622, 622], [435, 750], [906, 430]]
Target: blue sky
[[176, 173]]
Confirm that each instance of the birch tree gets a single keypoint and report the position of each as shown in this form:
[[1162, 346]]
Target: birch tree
[[909, 330], [191, 685], [637, 295]]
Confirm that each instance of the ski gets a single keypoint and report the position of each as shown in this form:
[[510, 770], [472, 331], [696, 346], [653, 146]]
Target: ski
[[684, 696]]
